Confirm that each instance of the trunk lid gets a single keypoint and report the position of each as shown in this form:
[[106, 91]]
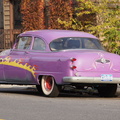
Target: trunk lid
[[96, 61]]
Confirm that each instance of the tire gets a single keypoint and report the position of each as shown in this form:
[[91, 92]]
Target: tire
[[107, 90], [49, 87], [39, 89]]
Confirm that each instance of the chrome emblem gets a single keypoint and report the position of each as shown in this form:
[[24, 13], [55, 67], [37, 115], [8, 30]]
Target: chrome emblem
[[103, 61]]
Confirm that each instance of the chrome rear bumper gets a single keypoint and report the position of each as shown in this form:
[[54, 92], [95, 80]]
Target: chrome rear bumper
[[90, 80]]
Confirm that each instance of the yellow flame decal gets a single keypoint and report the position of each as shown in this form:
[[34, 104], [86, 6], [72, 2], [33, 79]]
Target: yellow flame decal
[[18, 63]]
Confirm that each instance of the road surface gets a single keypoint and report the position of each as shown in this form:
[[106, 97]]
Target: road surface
[[24, 103]]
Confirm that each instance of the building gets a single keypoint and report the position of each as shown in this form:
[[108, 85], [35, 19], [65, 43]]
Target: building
[[10, 22]]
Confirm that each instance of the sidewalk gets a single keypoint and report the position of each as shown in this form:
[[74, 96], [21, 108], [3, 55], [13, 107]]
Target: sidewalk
[[22, 86], [18, 86]]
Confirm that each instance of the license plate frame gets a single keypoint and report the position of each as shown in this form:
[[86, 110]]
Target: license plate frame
[[106, 77]]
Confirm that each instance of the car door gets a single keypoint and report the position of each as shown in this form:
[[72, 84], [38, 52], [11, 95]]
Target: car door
[[38, 54], [17, 68]]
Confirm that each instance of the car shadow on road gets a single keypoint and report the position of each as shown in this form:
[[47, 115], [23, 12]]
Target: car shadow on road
[[28, 91], [64, 94]]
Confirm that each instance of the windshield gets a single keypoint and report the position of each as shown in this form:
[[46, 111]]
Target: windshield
[[75, 43]]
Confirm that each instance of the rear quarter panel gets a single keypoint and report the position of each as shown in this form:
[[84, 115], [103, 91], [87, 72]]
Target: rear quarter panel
[[51, 64]]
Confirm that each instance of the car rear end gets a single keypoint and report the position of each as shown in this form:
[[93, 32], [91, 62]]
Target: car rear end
[[95, 68]]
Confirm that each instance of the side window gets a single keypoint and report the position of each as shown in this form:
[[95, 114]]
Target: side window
[[39, 44], [23, 43]]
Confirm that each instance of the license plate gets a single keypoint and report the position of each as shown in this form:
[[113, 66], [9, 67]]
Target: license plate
[[106, 77]]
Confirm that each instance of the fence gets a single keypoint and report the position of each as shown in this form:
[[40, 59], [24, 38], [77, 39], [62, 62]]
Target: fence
[[7, 38]]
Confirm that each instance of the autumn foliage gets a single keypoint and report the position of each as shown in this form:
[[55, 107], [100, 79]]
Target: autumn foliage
[[59, 9], [32, 14]]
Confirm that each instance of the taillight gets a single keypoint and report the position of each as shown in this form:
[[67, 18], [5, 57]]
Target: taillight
[[73, 59], [73, 67]]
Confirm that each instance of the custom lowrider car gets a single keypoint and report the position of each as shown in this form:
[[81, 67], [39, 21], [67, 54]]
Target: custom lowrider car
[[54, 59]]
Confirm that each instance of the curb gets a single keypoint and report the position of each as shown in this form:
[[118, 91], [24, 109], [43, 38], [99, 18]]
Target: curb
[[17, 86]]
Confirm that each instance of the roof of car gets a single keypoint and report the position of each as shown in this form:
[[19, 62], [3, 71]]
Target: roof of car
[[50, 35]]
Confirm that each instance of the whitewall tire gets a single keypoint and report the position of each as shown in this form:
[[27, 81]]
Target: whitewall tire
[[49, 86]]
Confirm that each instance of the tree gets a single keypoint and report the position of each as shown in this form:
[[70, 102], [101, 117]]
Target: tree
[[32, 14], [105, 22], [59, 9]]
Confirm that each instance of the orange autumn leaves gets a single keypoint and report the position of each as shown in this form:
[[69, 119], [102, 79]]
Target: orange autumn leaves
[[38, 14], [32, 14]]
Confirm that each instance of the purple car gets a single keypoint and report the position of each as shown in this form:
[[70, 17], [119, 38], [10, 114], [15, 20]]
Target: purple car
[[55, 59]]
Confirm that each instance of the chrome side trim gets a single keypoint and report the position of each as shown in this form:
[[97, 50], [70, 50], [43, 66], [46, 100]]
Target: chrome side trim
[[89, 80]]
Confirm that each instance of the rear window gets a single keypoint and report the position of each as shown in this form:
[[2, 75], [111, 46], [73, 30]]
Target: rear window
[[75, 43]]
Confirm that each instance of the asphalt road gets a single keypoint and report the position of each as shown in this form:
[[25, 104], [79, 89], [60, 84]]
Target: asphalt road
[[20, 103]]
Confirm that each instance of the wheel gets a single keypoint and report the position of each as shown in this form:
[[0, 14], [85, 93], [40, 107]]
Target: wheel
[[49, 86], [107, 90]]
